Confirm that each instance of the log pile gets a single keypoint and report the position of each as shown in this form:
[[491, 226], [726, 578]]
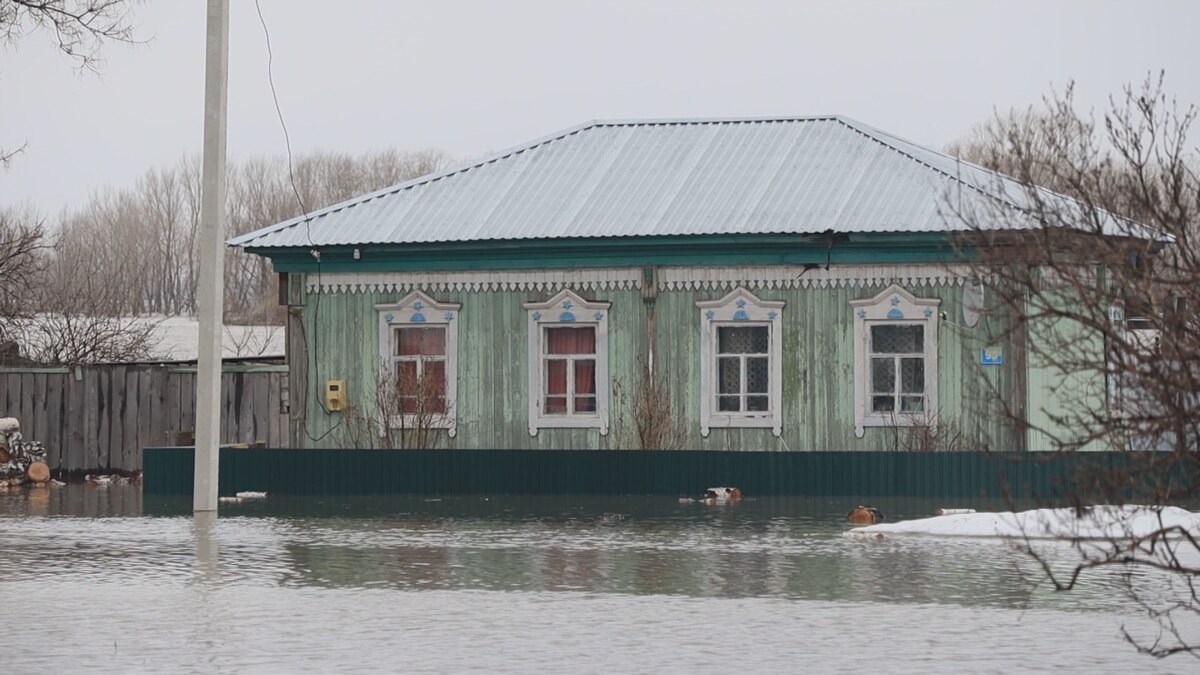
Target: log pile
[[21, 461]]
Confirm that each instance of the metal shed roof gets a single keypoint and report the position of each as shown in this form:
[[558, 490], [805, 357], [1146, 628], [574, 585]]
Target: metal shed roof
[[625, 178]]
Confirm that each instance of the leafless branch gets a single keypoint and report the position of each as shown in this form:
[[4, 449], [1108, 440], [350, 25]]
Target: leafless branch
[[1105, 289]]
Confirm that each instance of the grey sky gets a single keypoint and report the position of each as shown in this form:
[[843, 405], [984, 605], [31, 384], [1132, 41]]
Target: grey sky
[[470, 77]]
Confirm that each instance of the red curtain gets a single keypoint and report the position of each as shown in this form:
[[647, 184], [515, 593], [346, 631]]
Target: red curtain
[[571, 340], [556, 377], [421, 342], [585, 377]]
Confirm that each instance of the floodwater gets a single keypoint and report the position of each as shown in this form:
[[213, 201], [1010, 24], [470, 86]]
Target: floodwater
[[89, 583]]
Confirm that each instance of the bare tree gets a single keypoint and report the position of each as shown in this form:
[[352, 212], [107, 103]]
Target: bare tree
[[1103, 292], [142, 240], [79, 28], [23, 249]]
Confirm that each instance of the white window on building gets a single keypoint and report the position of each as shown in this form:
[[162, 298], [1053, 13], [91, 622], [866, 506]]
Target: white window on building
[[568, 363], [418, 345], [741, 365], [895, 360]]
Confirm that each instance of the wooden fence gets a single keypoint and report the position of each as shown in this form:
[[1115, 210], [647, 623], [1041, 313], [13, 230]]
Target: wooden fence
[[98, 418]]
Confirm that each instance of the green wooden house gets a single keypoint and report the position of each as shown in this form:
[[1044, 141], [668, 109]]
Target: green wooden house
[[784, 284]]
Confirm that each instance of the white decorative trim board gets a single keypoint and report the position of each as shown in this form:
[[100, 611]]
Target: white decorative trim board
[[796, 276], [618, 278], [630, 278]]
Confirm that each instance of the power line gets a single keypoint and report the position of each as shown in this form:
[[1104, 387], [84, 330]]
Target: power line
[[307, 233]]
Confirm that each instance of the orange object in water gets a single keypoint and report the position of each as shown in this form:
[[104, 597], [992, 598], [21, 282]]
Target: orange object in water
[[864, 515]]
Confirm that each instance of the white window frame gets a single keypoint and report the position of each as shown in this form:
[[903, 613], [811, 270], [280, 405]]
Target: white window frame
[[567, 309], [893, 305], [740, 308], [418, 310]]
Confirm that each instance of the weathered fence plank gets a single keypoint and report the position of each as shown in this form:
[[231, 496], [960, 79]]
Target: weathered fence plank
[[104, 416], [187, 403], [98, 418], [53, 436]]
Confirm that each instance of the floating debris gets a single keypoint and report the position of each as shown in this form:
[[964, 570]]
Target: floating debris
[[104, 480], [251, 495], [864, 515], [715, 495], [229, 500], [721, 495], [952, 512]]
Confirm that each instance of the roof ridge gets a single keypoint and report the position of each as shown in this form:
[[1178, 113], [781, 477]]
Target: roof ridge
[[889, 140], [666, 121]]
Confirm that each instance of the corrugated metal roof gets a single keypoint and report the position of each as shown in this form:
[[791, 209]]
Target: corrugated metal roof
[[628, 178]]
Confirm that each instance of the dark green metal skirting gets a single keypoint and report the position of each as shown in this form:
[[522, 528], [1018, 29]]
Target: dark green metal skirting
[[168, 471]]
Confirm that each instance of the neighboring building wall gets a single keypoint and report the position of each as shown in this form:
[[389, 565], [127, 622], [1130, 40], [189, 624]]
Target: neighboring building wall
[[1064, 407], [817, 365]]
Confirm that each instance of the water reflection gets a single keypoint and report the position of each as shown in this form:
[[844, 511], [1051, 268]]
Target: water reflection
[[786, 548], [249, 589], [72, 500]]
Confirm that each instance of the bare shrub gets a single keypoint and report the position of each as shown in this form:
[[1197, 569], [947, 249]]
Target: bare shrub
[[942, 434], [399, 412], [655, 423]]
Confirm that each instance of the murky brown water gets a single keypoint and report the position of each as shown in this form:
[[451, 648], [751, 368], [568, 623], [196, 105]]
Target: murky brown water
[[507, 584]]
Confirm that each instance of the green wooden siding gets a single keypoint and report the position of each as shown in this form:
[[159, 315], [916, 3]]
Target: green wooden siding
[[818, 357], [1065, 406]]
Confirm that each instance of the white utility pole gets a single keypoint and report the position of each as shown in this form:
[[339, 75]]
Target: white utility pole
[[211, 292]]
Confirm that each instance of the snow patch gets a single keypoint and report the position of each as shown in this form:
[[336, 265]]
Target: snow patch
[[1096, 522], [177, 339]]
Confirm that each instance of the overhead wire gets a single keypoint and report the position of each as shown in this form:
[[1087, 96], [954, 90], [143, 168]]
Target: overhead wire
[[310, 354]]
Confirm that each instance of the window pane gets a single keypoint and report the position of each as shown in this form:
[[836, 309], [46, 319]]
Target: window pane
[[585, 377], [406, 378], [756, 375], [408, 405], [912, 403], [433, 381], [729, 403], [897, 339], [570, 340], [912, 376], [421, 341], [729, 375], [742, 339], [585, 404], [883, 404], [883, 375], [556, 405], [556, 376], [434, 405], [757, 403]]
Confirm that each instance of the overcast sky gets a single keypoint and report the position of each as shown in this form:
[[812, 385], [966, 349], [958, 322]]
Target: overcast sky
[[473, 77]]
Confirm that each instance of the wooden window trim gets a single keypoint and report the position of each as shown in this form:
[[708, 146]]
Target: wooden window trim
[[893, 306]]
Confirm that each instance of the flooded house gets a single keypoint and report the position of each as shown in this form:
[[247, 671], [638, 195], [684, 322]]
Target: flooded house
[[784, 284]]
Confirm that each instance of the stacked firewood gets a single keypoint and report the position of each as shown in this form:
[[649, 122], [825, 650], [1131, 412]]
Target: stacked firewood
[[20, 461]]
